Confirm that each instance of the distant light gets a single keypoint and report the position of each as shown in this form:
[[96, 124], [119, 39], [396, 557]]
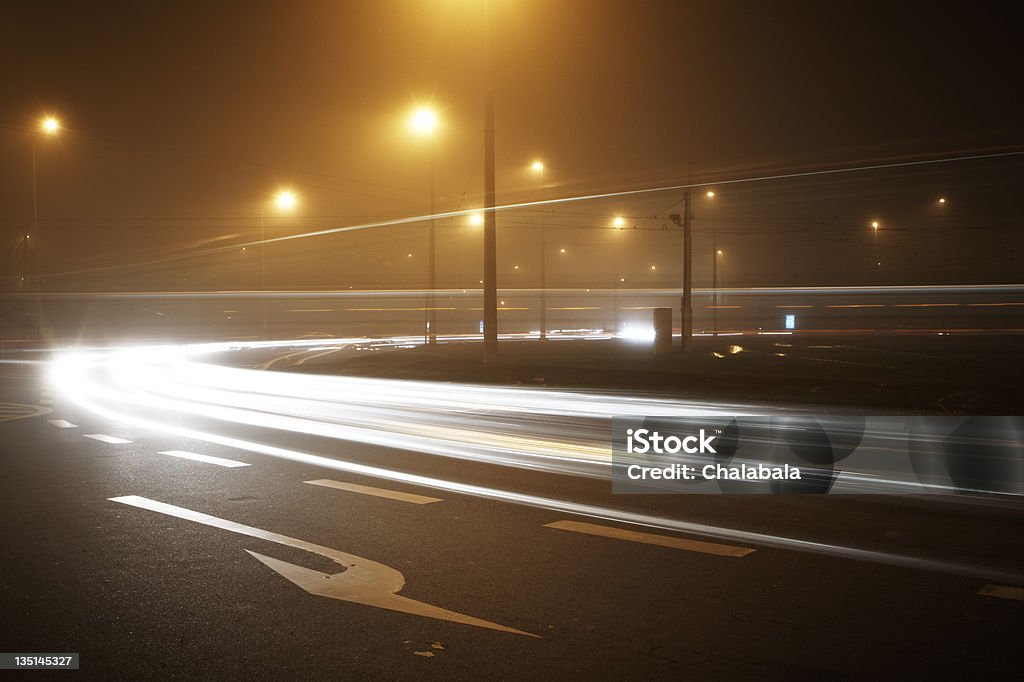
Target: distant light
[[654, 267], [538, 166], [622, 279], [476, 219], [424, 120], [645, 334], [285, 200], [942, 200], [409, 255], [710, 194], [515, 267], [619, 222], [50, 125], [734, 349], [721, 253], [561, 250]]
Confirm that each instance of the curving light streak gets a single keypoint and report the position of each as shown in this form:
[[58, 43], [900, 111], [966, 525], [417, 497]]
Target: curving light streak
[[77, 374]]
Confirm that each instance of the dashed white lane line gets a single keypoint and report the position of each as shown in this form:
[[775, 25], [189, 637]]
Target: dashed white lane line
[[63, 424], [219, 461], [105, 438], [377, 492], [1003, 592], [651, 538]]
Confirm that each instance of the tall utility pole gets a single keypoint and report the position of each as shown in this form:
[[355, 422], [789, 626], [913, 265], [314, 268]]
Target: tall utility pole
[[543, 262], [490, 243], [686, 307], [714, 268], [431, 331]]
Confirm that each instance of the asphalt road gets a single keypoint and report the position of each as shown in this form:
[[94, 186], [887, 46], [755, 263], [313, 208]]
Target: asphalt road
[[144, 593]]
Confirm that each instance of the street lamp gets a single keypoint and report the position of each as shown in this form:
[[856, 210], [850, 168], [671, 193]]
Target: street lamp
[[284, 201], [714, 262], [424, 121], [618, 222], [49, 126], [538, 168], [874, 231]]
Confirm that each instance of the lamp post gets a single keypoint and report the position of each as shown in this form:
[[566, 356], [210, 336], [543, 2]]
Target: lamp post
[[284, 201], [878, 264], [538, 167], [49, 127], [714, 262], [618, 222], [424, 121]]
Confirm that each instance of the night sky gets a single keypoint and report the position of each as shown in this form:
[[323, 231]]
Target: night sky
[[182, 118]]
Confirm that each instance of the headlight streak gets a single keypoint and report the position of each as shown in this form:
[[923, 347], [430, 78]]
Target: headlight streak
[[496, 425], [79, 388]]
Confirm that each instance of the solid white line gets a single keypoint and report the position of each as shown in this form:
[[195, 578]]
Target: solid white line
[[1003, 592], [219, 461], [651, 538], [105, 438], [63, 424], [377, 492]]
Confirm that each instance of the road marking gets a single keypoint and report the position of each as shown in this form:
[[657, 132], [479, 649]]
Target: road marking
[[219, 461], [12, 411], [105, 438], [1003, 592], [63, 424], [651, 538], [362, 582], [857, 305], [377, 492]]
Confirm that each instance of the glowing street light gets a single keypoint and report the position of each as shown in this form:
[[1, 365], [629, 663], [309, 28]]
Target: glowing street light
[[423, 120], [720, 252], [618, 222], [561, 251], [942, 200], [874, 225], [537, 166], [285, 200], [710, 194], [476, 219], [50, 125]]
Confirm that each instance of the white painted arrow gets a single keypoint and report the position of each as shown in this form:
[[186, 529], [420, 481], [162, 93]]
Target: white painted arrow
[[359, 584], [362, 582]]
